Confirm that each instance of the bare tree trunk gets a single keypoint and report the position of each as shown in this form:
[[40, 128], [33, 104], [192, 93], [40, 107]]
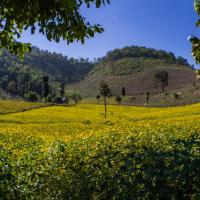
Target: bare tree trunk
[[105, 106]]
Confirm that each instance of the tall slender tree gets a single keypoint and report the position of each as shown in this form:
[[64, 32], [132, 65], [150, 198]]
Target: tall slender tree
[[62, 89], [147, 97], [123, 92], [105, 91], [45, 87], [98, 98]]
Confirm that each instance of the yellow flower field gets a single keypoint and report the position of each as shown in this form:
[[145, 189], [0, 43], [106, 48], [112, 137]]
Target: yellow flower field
[[83, 134]]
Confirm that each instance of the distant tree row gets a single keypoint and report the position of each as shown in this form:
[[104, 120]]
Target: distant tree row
[[161, 78], [47, 92], [136, 52]]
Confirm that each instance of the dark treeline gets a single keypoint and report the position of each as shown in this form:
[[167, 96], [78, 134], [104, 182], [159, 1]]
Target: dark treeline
[[136, 52], [18, 78]]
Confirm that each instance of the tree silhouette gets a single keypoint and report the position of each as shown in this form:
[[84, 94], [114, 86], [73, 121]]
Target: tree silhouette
[[147, 97], [98, 98], [123, 92], [76, 98], [162, 78], [193, 39], [62, 89], [105, 92], [45, 87], [12, 86], [118, 99]]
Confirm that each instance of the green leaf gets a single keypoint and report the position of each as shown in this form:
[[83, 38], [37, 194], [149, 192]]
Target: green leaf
[[196, 196]]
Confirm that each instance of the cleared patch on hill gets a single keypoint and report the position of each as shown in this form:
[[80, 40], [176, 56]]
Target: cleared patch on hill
[[136, 75]]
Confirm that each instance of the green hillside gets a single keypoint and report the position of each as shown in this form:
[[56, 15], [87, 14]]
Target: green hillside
[[130, 67], [18, 78], [134, 68]]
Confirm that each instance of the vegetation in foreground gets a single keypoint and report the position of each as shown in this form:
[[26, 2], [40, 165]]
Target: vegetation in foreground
[[74, 153], [9, 106]]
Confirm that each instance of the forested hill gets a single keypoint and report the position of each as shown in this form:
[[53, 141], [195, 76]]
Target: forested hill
[[134, 68], [18, 78], [143, 52]]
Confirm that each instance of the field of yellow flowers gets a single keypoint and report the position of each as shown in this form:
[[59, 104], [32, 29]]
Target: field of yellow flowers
[[74, 153]]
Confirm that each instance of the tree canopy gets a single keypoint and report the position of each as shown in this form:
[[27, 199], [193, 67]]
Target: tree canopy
[[195, 40], [28, 75], [162, 78], [56, 19], [138, 52]]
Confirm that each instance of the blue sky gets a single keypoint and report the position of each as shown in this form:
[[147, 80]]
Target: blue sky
[[160, 24]]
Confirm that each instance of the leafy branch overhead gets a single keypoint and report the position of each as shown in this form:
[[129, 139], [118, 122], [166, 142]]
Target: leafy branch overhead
[[56, 19], [195, 40]]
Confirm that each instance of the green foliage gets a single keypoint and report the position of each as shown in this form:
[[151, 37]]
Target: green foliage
[[135, 59], [140, 153], [55, 19], [31, 96], [105, 169], [62, 89], [162, 78], [28, 74], [59, 100], [147, 97], [176, 95], [12, 87], [196, 196], [98, 97], [46, 88], [104, 89], [76, 97], [67, 99], [123, 91], [195, 40], [143, 52], [118, 99]]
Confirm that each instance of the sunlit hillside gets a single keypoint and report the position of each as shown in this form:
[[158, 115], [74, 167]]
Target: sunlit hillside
[[134, 68]]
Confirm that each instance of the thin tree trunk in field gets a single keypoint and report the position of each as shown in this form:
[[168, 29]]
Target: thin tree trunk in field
[[105, 106]]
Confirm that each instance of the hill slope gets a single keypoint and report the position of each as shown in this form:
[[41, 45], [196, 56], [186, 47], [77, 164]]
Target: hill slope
[[135, 71], [17, 78]]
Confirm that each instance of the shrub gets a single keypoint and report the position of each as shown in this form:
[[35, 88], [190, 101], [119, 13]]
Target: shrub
[[59, 100], [118, 99], [76, 97], [32, 96], [73, 172], [176, 95]]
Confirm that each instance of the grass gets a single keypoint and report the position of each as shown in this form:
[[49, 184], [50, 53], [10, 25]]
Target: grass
[[74, 153], [10, 106]]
